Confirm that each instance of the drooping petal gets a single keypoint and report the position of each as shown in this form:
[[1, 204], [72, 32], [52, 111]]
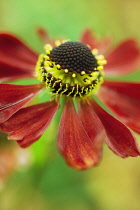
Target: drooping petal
[[28, 124], [90, 39], [124, 59], [123, 98], [15, 53], [13, 97], [9, 73], [73, 141], [120, 140], [93, 127]]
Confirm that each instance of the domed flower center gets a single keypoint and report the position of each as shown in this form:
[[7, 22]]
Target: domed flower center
[[74, 56], [71, 69]]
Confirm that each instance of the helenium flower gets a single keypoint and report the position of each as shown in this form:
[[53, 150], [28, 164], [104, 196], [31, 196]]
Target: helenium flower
[[75, 71]]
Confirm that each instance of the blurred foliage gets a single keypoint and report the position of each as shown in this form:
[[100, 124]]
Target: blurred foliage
[[49, 184]]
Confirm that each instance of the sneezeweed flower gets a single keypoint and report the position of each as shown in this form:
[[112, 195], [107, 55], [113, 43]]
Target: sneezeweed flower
[[75, 71]]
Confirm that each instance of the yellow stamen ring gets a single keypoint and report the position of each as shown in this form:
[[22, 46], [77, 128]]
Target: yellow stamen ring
[[64, 82], [95, 51]]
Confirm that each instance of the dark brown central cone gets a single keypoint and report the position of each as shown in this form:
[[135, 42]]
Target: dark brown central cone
[[74, 56]]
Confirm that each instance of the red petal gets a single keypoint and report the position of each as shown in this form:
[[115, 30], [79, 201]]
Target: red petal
[[123, 98], [13, 97], [90, 39], [28, 124], [16, 54], [73, 141], [93, 127], [120, 139], [124, 59], [9, 73], [44, 36]]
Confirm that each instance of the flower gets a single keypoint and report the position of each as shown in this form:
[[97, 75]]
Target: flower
[[73, 71]]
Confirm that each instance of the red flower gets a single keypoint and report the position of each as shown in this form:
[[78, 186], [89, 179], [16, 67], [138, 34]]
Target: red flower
[[72, 71]]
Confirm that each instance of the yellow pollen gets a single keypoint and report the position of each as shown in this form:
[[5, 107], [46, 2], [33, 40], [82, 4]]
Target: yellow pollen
[[66, 40], [46, 57], [102, 62], [95, 51], [66, 71], [99, 57], [48, 47], [94, 74], [58, 66], [88, 81], [82, 72], [47, 52], [88, 46], [47, 63], [100, 68], [73, 75], [57, 43]]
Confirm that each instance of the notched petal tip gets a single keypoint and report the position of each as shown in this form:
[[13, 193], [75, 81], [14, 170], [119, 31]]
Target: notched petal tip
[[28, 124], [93, 126], [73, 142], [120, 139]]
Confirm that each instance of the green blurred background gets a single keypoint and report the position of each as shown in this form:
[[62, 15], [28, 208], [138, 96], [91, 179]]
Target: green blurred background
[[41, 180]]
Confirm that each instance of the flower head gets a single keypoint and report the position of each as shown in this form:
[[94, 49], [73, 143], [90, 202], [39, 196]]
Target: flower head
[[74, 71], [70, 69]]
